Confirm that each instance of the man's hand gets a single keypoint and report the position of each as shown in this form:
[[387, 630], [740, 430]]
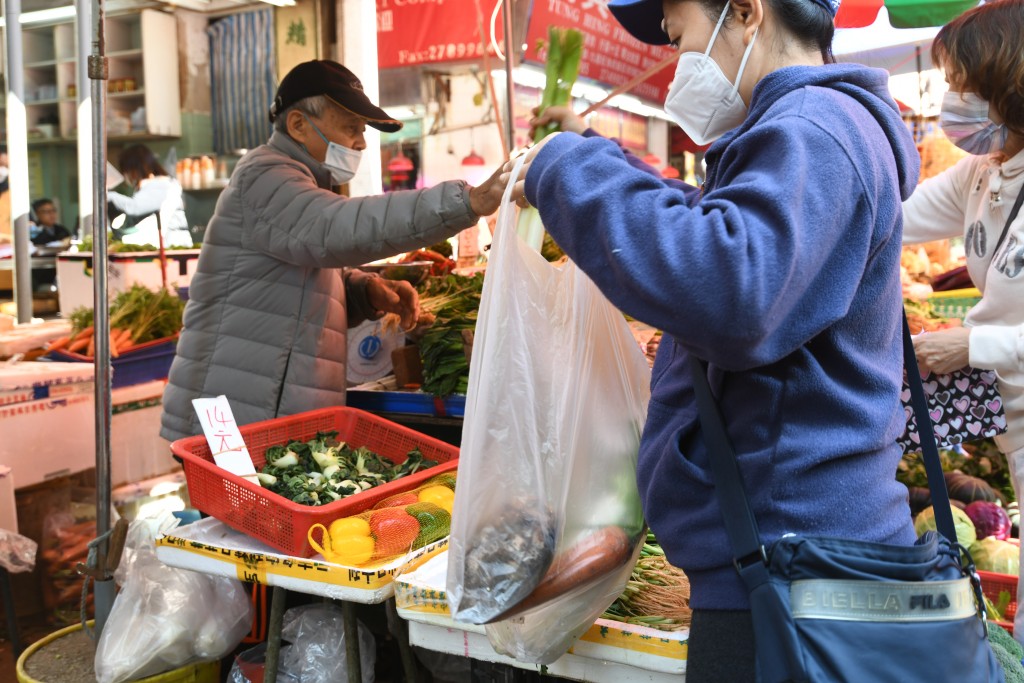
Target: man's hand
[[485, 199], [394, 296], [943, 351], [519, 191], [565, 117]]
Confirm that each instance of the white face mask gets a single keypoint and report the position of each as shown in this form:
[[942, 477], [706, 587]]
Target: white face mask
[[341, 161], [965, 121], [4, 172], [701, 99]]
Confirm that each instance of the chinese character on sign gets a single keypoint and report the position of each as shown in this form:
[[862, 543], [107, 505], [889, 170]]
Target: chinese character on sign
[[216, 418], [296, 33], [385, 21]]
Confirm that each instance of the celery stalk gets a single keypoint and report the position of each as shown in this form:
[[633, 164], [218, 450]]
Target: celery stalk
[[565, 49]]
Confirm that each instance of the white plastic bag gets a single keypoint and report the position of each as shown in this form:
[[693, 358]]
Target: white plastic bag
[[547, 518], [165, 618], [17, 552]]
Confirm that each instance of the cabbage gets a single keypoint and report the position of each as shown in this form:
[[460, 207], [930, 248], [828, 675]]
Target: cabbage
[[989, 520], [992, 555], [962, 524]]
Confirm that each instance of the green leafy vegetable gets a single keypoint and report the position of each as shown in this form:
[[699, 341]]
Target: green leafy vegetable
[[454, 300], [323, 470]]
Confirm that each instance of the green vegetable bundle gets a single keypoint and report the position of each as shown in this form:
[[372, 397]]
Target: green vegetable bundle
[[565, 49], [657, 594], [454, 300], [149, 315], [324, 470]]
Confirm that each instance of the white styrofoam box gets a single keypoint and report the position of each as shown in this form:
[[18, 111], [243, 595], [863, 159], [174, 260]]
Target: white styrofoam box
[[74, 274], [137, 451], [48, 438], [8, 508], [33, 381], [30, 336]]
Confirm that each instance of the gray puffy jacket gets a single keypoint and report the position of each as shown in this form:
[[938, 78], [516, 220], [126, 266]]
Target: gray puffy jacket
[[266, 319]]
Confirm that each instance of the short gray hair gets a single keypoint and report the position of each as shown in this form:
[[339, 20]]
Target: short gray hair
[[313, 106]]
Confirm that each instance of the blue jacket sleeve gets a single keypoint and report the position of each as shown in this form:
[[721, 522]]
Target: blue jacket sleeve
[[761, 265], [692, 193]]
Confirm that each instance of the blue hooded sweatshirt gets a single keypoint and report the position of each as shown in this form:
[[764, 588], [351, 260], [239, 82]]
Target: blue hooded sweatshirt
[[783, 274]]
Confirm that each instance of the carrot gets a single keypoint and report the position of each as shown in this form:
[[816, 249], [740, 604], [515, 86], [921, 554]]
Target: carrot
[[114, 353], [597, 554], [86, 332], [91, 351], [78, 345], [124, 341], [59, 343]]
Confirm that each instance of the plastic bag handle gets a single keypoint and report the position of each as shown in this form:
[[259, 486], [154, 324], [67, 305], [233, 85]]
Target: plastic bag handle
[[508, 205], [326, 537]]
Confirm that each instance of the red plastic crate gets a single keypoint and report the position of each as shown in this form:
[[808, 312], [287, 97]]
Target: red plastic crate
[[274, 519], [992, 585]]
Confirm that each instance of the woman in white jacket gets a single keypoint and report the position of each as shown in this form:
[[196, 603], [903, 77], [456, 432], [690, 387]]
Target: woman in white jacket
[[156, 193], [983, 114]]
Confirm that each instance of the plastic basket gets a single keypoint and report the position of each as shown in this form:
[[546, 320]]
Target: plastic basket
[[144, 363], [992, 585], [277, 521], [955, 303]]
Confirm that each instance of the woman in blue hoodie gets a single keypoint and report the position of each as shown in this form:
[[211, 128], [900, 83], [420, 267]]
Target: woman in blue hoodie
[[782, 272]]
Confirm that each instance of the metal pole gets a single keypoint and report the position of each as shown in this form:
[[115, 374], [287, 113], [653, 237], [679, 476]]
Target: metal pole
[[83, 24], [510, 89], [101, 310], [17, 155]]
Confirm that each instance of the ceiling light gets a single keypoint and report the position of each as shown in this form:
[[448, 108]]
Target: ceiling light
[[53, 14]]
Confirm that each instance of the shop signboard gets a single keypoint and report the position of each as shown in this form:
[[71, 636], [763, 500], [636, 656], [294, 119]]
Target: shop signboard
[[610, 55], [414, 32]]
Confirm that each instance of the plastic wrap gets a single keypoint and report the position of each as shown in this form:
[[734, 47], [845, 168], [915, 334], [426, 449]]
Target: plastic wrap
[[165, 618], [547, 519], [316, 653], [17, 552]]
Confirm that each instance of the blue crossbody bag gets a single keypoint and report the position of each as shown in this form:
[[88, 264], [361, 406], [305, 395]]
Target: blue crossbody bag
[[837, 610]]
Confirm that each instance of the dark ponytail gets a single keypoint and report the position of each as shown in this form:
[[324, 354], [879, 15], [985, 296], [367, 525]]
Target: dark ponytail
[[809, 22], [806, 20]]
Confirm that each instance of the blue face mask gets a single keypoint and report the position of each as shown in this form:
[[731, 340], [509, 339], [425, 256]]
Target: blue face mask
[[341, 161], [965, 121]]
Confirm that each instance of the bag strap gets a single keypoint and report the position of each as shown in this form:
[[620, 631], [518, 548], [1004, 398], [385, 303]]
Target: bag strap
[[750, 556], [1013, 216]]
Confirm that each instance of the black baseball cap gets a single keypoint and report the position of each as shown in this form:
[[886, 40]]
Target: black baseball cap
[[336, 83]]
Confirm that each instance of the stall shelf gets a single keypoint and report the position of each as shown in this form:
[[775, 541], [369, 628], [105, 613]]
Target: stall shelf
[[211, 547], [608, 651]]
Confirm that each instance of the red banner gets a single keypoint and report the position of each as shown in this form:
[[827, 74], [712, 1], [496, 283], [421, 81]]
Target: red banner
[[610, 55], [413, 32]]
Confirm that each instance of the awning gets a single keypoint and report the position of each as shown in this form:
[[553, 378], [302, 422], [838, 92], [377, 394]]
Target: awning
[[901, 13]]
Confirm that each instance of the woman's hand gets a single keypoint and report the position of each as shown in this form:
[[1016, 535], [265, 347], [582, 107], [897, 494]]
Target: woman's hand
[[565, 117], [485, 199], [394, 296], [519, 191], [943, 351]]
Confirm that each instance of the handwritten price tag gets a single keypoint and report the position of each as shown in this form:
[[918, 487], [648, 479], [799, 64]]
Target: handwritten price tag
[[226, 443]]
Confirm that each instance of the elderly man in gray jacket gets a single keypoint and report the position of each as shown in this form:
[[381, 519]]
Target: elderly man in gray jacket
[[273, 295]]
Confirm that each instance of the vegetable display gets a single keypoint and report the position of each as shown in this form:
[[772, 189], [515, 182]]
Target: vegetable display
[[922, 318], [324, 469], [989, 520], [962, 524], [137, 316], [657, 594], [395, 526], [454, 301], [992, 555]]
